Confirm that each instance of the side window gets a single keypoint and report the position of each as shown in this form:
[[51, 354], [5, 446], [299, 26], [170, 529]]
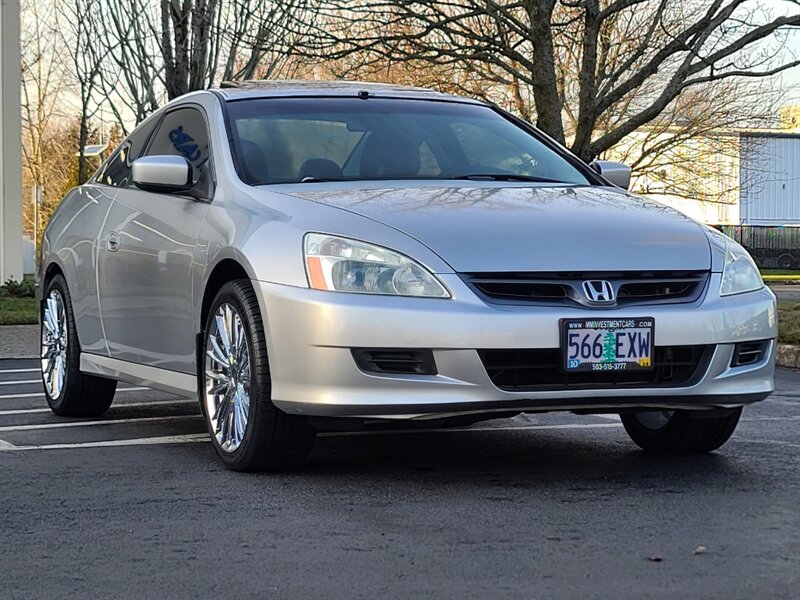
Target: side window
[[116, 171], [183, 132]]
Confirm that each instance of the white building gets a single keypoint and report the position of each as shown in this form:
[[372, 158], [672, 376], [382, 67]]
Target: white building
[[769, 179], [747, 177]]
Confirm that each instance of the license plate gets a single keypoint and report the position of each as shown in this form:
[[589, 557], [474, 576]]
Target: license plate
[[607, 344]]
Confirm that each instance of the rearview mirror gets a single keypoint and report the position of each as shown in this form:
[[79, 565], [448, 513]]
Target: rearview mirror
[[615, 172], [162, 174]]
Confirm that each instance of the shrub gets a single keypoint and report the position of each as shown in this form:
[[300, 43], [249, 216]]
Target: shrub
[[19, 289]]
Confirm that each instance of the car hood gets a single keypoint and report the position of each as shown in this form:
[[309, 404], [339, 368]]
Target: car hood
[[509, 227]]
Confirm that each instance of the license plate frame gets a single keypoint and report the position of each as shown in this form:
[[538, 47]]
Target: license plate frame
[[604, 325]]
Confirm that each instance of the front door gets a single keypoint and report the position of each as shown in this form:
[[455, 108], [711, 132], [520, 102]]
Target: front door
[[146, 255]]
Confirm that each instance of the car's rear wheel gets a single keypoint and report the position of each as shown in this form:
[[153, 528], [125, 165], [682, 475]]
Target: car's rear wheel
[[248, 431], [68, 391], [679, 431]]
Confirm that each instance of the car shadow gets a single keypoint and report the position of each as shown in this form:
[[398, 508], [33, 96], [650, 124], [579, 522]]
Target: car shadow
[[567, 459]]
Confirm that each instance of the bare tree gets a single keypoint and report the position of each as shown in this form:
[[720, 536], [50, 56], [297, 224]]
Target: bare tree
[[43, 81], [590, 71], [148, 52]]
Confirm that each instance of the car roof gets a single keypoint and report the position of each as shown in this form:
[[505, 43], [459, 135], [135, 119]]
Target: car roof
[[287, 88]]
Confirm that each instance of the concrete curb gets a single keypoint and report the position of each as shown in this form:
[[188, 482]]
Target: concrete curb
[[788, 355]]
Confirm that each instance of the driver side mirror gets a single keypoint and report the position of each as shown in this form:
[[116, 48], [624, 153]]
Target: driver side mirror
[[615, 172], [162, 174]]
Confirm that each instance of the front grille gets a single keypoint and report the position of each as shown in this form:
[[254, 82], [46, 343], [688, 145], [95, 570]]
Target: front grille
[[398, 361], [541, 369], [565, 289]]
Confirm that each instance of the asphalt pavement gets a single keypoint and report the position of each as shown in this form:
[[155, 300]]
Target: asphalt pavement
[[135, 505], [785, 291]]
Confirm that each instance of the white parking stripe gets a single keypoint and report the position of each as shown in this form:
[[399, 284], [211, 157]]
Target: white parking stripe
[[4, 445], [28, 411], [773, 442], [169, 439], [92, 423], [19, 370], [20, 382], [41, 394], [610, 417]]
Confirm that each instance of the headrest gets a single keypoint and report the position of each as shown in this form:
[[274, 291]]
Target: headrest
[[320, 168], [253, 160], [388, 156]]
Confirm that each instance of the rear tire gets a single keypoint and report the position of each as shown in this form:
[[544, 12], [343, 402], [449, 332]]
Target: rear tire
[[679, 431], [248, 431], [69, 392], [785, 261]]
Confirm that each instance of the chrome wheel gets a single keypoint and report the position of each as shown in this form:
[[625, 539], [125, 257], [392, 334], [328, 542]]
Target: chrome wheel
[[655, 419], [227, 369], [54, 344]]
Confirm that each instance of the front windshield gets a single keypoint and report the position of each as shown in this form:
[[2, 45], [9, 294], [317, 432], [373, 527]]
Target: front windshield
[[283, 140]]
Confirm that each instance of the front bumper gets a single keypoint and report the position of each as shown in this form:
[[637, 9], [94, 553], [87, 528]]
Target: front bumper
[[310, 334]]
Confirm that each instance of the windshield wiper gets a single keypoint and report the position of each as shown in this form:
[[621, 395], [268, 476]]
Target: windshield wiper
[[504, 177], [320, 179]]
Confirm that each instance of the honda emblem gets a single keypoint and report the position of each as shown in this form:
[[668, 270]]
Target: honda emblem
[[599, 291]]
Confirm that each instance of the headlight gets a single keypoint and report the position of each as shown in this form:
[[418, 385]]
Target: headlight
[[739, 273], [344, 265]]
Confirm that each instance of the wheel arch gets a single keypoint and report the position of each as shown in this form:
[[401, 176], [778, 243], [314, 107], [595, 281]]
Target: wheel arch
[[47, 273], [227, 269]]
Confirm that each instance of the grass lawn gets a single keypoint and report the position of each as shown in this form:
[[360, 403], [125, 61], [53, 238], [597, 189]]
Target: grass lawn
[[18, 311], [789, 322], [794, 272]]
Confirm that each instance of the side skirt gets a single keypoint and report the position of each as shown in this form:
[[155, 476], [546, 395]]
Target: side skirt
[[173, 382]]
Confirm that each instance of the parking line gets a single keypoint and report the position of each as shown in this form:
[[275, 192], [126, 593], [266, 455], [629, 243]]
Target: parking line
[[20, 382], [29, 411], [10, 428], [609, 416], [169, 439], [41, 394], [19, 370]]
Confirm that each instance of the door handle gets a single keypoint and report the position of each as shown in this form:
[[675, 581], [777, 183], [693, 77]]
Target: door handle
[[112, 241]]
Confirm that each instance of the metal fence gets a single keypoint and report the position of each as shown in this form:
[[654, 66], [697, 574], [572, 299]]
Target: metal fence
[[771, 247]]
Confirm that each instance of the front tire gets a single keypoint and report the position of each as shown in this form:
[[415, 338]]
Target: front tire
[[679, 431], [69, 392], [248, 431]]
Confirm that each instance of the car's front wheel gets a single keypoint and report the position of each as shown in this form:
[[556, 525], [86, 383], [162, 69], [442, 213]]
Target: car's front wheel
[[679, 431], [248, 431], [68, 391]]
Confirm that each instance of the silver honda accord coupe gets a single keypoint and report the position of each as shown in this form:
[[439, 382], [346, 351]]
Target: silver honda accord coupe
[[317, 256]]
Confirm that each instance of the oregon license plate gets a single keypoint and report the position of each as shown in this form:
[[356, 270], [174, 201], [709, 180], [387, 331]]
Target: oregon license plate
[[607, 344]]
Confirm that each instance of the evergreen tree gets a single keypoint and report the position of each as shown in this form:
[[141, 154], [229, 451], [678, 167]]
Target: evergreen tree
[[610, 347]]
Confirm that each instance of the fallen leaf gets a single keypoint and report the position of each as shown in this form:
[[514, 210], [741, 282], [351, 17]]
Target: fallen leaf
[[655, 558]]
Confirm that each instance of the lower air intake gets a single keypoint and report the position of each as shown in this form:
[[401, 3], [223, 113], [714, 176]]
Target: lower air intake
[[396, 361]]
